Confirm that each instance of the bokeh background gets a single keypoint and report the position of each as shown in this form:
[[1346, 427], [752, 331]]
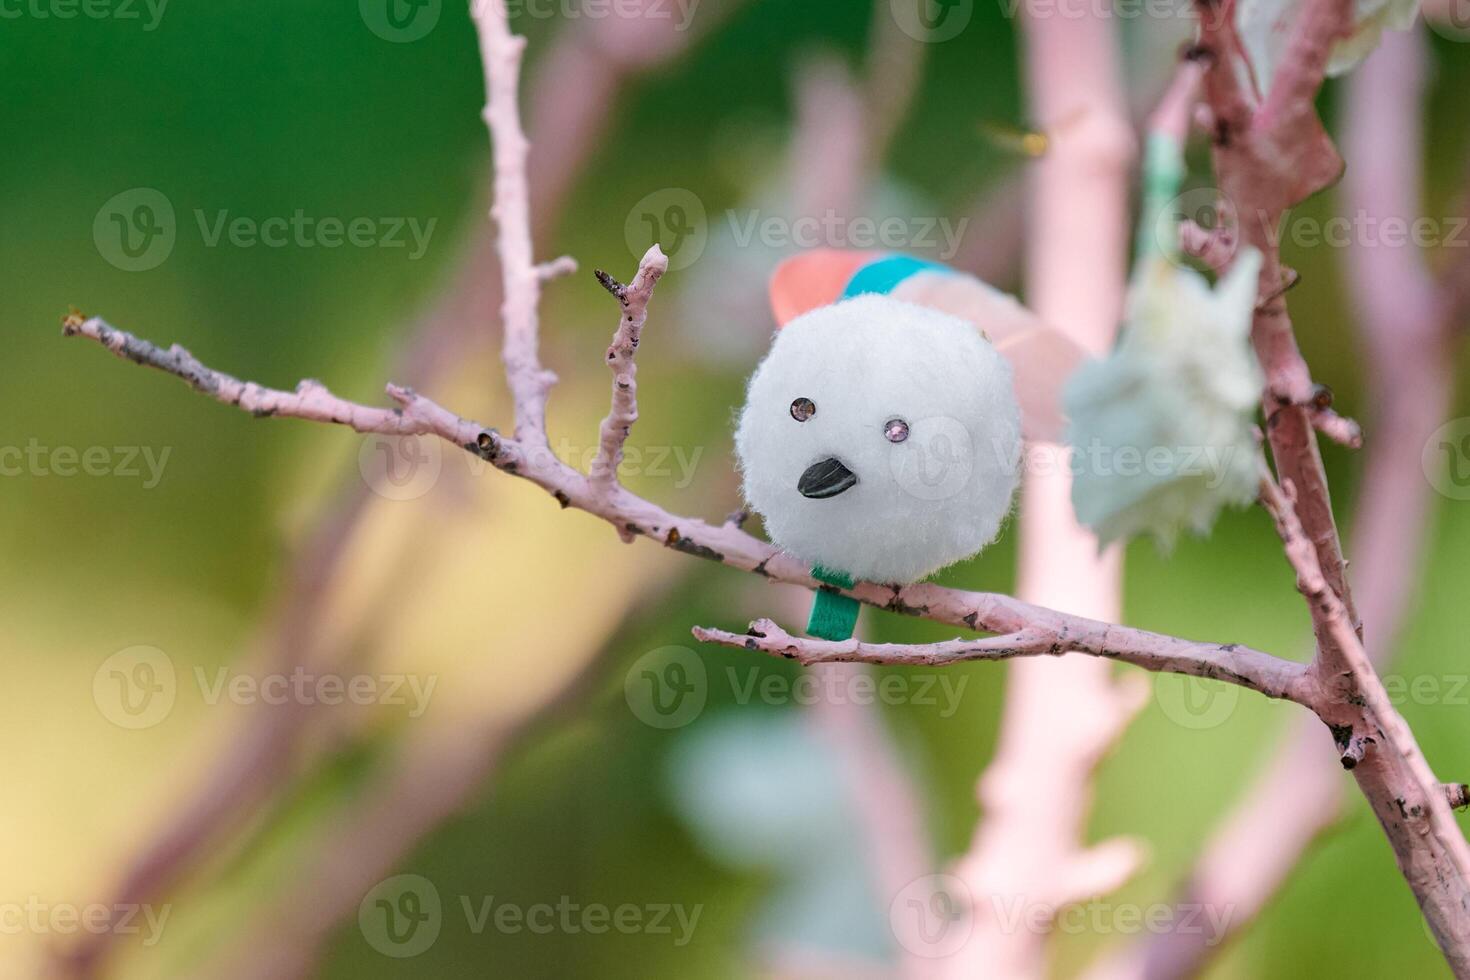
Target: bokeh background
[[531, 775]]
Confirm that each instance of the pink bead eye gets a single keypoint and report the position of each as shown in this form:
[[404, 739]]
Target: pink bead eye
[[895, 430], [803, 409]]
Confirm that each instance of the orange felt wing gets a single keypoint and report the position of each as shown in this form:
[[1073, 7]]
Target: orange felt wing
[[813, 278]]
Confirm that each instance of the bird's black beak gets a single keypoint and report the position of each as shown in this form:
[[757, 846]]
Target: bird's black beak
[[826, 479]]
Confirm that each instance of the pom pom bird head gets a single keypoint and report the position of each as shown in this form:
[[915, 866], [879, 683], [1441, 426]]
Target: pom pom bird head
[[880, 438]]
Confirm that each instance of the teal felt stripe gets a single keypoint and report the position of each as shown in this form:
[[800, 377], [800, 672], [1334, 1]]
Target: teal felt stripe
[[833, 616], [1163, 175], [884, 275]]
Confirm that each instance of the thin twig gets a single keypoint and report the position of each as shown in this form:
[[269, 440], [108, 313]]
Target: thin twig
[[562, 266], [622, 361], [1271, 676], [530, 383], [311, 400]]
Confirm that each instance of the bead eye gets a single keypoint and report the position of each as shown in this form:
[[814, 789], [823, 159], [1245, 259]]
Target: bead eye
[[895, 430], [803, 409]]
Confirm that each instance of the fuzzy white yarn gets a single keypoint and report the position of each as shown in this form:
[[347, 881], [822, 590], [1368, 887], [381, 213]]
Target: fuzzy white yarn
[[1162, 429], [933, 499]]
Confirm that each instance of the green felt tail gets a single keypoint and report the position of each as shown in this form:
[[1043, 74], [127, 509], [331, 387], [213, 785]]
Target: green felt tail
[[833, 616], [1163, 175]]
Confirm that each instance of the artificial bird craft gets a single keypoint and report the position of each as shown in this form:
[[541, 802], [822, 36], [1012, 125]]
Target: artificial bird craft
[[881, 437]]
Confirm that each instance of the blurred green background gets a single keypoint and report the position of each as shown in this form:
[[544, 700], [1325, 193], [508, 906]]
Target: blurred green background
[[261, 109]]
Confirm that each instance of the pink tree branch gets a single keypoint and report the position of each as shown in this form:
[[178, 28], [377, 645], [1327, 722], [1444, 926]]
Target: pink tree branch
[[1269, 157], [1054, 635], [618, 425], [1061, 716], [310, 401], [501, 51], [1409, 325]]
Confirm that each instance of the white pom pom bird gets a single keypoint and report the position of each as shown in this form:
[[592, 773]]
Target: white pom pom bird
[[881, 436]]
